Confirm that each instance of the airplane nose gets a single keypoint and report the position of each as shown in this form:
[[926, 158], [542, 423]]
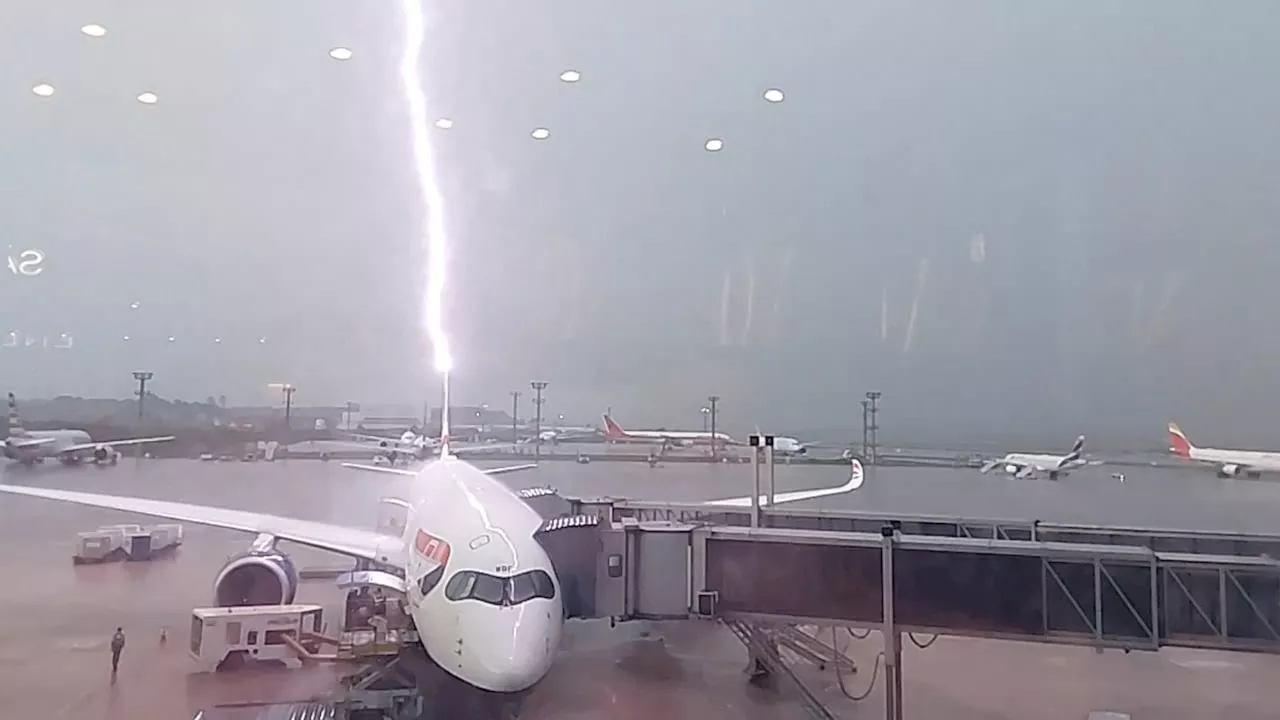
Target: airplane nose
[[524, 668], [518, 652]]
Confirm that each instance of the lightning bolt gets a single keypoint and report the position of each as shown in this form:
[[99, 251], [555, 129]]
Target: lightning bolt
[[434, 239]]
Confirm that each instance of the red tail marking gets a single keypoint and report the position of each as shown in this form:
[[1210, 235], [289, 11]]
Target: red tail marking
[[432, 547], [1179, 444], [611, 429]]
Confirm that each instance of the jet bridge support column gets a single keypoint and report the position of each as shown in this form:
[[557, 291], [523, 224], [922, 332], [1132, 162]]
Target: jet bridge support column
[[892, 637], [755, 441], [768, 460]]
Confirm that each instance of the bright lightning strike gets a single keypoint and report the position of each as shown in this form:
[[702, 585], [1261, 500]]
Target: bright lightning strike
[[433, 227]]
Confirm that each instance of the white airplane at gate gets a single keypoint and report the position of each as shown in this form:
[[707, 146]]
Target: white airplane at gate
[[1251, 463], [1025, 465], [482, 590]]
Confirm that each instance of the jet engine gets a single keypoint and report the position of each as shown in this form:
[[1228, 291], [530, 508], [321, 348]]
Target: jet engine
[[256, 577], [105, 455], [1228, 470]]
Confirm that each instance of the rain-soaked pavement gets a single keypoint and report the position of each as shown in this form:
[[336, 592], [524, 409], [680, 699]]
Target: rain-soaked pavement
[[58, 618]]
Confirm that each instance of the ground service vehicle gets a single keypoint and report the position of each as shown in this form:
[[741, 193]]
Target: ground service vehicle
[[225, 638]]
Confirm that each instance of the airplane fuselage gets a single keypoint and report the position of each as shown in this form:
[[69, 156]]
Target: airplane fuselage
[[674, 437], [59, 439], [491, 614], [1040, 462], [1233, 460], [789, 446]]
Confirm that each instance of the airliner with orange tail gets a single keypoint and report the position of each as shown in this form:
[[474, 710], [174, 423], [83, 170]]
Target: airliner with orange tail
[[667, 438], [1231, 463]]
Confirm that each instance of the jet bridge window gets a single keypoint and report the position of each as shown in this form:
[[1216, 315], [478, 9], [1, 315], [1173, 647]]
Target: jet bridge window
[[494, 590]]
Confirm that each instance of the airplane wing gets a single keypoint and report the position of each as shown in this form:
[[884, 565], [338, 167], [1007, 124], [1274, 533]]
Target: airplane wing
[[856, 478], [352, 542], [477, 449], [115, 443], [1027, 471], [990, 465], [34, 442], [571, 436], [408, 450], [373, 438], [357, 445], [414, 473]]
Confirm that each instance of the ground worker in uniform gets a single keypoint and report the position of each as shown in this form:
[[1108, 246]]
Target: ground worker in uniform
[[117, 647]]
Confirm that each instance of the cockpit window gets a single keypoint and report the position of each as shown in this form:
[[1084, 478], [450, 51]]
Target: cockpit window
[[494, 590], [430, 580], [529, 585]]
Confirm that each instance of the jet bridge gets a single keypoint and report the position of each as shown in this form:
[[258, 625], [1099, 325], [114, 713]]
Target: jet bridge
[[766, 515], [1159, 539], [1090, 594]]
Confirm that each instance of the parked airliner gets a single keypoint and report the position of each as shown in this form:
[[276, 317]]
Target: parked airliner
[[481, 588], [1252, 463], [406, 448], [1025, 465], [70, 447], [667, 438]]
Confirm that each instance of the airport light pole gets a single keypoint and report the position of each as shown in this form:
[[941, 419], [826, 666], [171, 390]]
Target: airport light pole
[[713, 400], [873, 428], [515, 414], [538, 386], [706, 413], [866, 404], [142, 376], [288, 391]]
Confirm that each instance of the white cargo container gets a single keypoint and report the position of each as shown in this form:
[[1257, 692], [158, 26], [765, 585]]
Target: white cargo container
[[225, 638], [126, 542]]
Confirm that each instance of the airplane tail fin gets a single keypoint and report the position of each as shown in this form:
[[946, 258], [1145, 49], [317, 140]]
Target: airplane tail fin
[[1178, 442], [15, 422], [1076, 451], [611, 429], [856, 476]]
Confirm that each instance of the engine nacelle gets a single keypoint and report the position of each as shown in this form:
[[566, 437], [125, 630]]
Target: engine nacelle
[[105, 454], [1228, 470], [256, 578]]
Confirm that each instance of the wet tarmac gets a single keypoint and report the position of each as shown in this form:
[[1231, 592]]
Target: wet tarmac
[[58, 618]]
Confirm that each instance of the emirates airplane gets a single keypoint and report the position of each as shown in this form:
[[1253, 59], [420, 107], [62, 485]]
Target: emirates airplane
[[1251, 463], [667, 438], [480, 586], [1025, 465]]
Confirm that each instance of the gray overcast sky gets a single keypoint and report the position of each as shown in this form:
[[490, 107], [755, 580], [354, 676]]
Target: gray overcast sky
[[1078, 198]]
